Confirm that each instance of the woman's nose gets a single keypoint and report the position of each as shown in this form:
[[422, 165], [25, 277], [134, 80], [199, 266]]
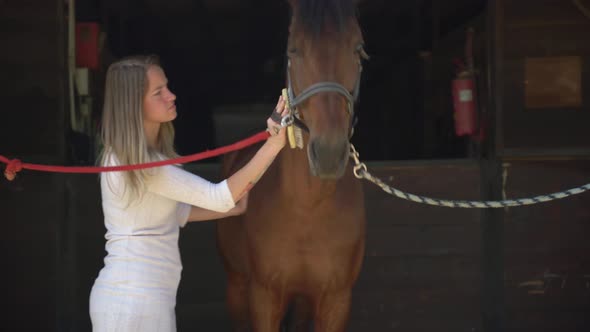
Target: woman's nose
[[171, 96]]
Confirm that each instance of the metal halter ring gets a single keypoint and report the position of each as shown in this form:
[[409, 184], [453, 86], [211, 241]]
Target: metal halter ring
[[287, 120]]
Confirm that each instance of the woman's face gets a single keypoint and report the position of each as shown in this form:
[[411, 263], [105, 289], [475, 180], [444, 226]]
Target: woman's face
[[158, 102]]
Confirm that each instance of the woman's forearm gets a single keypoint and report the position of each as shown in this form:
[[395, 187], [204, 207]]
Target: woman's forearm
[[201, 214], [244, 179]]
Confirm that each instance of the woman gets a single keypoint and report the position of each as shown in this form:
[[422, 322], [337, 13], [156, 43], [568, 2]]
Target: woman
[[144, 209]]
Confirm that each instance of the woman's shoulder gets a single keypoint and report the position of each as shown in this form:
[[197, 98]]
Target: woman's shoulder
[[108, 159]]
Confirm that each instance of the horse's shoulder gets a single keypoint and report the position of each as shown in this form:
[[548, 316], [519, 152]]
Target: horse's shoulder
[[233, 161]]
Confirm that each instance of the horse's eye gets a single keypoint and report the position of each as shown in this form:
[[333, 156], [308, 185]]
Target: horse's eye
[[292, 51]]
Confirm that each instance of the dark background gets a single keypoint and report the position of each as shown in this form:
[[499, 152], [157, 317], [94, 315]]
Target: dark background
[[426, 268], [223, 53]]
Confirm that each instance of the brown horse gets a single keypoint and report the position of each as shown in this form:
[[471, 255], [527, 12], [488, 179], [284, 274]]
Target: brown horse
[[300, 246]]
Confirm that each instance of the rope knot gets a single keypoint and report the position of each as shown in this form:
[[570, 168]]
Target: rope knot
[[14, 166]]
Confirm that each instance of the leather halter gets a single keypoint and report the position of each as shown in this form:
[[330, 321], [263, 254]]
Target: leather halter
[[326, 86]]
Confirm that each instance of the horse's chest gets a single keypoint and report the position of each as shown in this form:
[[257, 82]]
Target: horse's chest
[[305, 239], [307, 253], [306, 265]]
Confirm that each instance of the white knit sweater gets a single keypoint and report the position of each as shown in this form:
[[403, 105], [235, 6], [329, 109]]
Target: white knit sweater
[[142, 267]]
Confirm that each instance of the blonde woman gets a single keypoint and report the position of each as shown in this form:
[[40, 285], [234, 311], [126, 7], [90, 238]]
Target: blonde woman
[[143, 210]]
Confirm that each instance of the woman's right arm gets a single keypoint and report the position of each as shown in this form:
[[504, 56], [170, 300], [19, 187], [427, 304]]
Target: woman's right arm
[[200, 214], [182, 186]]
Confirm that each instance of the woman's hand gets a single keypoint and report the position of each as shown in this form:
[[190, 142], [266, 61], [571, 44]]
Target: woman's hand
[[278, 135]]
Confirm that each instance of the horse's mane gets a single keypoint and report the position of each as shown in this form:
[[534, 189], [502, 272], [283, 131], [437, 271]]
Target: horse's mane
[[316, 15]]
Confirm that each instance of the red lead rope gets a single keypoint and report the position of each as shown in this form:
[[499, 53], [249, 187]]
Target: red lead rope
[[14, 166]]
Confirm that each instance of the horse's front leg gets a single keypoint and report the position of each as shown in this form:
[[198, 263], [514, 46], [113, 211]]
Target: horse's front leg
[[332, 311], [267, 307], [237, 302]]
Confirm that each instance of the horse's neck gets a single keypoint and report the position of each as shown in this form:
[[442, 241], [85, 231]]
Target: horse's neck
[[297, 178]]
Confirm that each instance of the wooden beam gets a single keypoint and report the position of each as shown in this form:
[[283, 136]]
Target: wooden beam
[[492, 230]]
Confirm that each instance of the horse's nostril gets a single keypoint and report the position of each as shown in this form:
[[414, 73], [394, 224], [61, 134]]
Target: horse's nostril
[[313, 150]]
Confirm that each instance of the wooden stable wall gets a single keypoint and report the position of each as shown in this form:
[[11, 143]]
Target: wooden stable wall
[[422, 269], [32, 128], [426, 268], [547, 252], [541, 58], [551, 124]]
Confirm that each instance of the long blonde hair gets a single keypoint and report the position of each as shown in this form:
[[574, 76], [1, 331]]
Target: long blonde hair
[[122, 130]]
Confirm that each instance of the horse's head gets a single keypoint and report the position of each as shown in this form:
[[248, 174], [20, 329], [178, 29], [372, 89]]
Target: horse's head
[[325, 50]]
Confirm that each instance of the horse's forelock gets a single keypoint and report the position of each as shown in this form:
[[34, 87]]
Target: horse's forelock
[[316, 15]]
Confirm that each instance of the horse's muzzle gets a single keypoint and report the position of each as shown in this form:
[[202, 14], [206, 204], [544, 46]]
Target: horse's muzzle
[[328, 161]]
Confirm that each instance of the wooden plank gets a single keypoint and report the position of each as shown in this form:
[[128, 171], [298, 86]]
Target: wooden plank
[[203, 316], [547, 251], [542, 40], [551, 301], [441, 309], [412, 272], [550, 236], [424, 239], [392, 325], [553, 82], [451, 302], [556, 225], [32, 217], [543, 12], [550, 128], [458, 181], [548, 321], [41, 9]]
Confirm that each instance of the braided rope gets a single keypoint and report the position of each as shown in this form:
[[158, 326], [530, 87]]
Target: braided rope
[[360, 171]]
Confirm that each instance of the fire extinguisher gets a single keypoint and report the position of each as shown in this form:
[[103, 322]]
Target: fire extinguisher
[[464, 104], [464, 93]]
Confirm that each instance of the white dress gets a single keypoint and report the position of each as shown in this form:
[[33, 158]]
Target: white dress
[[136, 289]]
